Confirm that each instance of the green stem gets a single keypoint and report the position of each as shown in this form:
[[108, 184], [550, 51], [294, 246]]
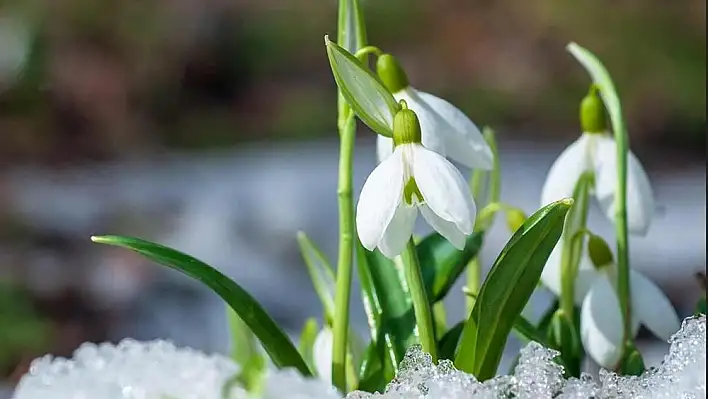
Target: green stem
[[421, 306], [344, 260], [571, 244], [623, 290], [493, 194], [350, 19]]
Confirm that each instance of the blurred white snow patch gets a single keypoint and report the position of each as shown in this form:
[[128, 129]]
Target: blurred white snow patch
[[158, 370]]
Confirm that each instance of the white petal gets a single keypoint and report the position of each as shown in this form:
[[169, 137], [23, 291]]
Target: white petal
[[430, 126], [551, 275], [652, 307], [322, 354], [384, 147], [445, 228], [566, 170], [461, 138], [379, 198], [601, 324], [399, 231], [444, 189], [640, 198]]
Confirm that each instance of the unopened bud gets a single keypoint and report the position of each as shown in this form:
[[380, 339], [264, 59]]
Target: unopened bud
[[515, 218], [599, 251], [391, 73]]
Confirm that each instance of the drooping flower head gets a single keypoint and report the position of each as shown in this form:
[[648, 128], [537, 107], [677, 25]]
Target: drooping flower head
[[445, 129], [596, 151], [412, 179]]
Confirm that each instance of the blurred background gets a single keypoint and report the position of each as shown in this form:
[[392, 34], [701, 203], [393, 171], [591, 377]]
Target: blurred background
[[209, 126]]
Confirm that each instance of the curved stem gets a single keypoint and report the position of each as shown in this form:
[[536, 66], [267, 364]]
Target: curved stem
[[421, 305], [623, 290]]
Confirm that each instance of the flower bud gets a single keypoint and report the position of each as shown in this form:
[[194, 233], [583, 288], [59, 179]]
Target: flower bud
[[599, 251], [406, 128], [391, 73], [515, 218], [593, 118]]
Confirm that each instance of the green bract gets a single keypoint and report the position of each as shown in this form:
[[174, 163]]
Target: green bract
[[364, 92]]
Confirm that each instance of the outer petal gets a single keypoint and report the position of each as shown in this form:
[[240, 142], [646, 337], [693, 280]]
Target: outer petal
[[322, 354], [446, 229], [551, 275], [640, 198], [379, 198], [399, 231], [429, 122], [652, 307], [601, 324], [461, 138], [566, 170], [444, 189], [384, 147]]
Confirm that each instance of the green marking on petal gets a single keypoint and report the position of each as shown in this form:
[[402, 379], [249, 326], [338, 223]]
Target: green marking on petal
[[411, 189]]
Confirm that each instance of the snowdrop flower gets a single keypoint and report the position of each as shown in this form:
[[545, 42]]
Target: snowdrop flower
[[601, 328], [446, 130], [413, 178], [322, 354], [596, 151]]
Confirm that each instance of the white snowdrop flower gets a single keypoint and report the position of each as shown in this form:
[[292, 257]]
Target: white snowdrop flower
[[322, 354], [445, 129], [413, 178], [601, 327], [596, 151]]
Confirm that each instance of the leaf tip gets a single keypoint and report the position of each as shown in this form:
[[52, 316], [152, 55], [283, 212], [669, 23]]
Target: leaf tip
[[567, 201], [326, 40], [97, 239]]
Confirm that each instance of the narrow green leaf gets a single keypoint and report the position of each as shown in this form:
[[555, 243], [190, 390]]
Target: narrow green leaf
[[275, 342], [307, 341], [701, 305], [245, 352], [321, 273], [507, 288], [372, 376], [364, 92], [632, 363], [448, 343], [528, 332], [563, 336], [442, 264]]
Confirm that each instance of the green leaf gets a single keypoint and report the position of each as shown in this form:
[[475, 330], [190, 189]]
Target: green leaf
[[442, 264], [246, 353], [448, 343], [321, 273], [632, 363], [364, 92], [307, 341], [372, 376], [563, 336], [528, 332], [388, 306], [275, 342], [507, 288], [602, 79]]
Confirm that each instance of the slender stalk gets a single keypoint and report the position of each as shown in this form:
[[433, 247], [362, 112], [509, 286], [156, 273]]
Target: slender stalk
[[344, 260], [491, 195], [350, 23], [623, 290], [421, 306]]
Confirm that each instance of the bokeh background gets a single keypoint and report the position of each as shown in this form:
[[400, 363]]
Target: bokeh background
[[209, 125]]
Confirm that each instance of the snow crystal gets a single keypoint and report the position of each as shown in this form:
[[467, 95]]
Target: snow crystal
[[159, 370]]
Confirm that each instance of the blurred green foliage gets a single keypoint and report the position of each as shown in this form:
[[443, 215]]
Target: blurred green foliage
[[22, 331]]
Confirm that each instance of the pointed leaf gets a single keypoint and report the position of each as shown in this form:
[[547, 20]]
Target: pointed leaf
[[448, 343], [442, 263], [364, 92], [321, 273], [507, 288], [308, 335], [273, 339]]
